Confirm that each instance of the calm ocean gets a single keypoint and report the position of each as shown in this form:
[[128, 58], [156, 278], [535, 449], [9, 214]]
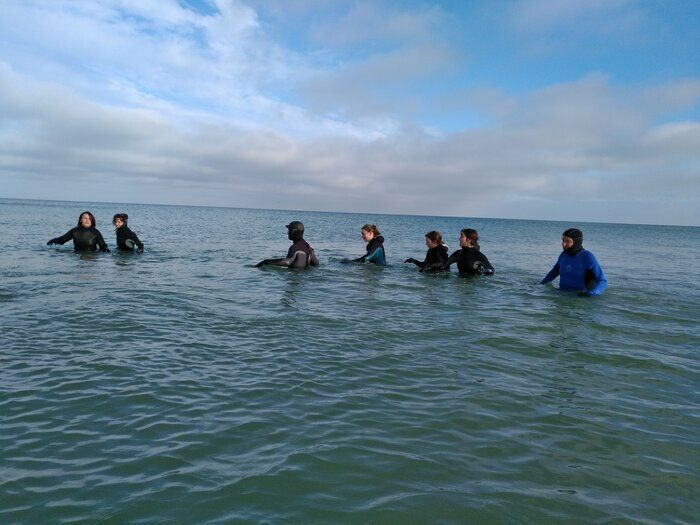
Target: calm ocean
[[183, 385]]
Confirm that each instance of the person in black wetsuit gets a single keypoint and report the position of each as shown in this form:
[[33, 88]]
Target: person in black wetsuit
[[435, 257], [376, 254], [126, 239], [300, 253], [86, 237], [470, 260]]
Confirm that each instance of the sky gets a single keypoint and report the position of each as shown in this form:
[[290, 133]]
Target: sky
[[575, 110]]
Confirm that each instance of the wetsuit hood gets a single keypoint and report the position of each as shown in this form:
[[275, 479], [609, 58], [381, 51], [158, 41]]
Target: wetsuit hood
[[575, 235], [295, 231]]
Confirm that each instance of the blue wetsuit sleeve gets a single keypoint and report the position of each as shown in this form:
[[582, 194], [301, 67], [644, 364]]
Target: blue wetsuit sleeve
[[377, 256], [553, 274], [598, 275]]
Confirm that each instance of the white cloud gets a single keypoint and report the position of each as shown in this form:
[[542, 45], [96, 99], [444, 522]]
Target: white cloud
[[180, 106]]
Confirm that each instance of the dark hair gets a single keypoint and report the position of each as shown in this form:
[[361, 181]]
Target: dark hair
[[93, 222], [472, 235], [434, 236], [371, 228], [123, 216]]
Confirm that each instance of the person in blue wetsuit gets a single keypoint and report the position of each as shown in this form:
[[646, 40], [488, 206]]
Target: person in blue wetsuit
[[300, 253], [435, 257], [376, 254], [85, 236], [577, 268]]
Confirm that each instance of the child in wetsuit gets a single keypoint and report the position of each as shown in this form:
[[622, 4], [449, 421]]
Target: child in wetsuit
[[375, 246], [470, 260], [577, 268], [126, 239], [435, 257]]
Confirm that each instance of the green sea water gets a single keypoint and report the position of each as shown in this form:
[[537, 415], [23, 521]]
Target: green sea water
[[183, 385]]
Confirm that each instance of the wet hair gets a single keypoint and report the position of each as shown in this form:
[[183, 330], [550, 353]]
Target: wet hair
[[371, 228], [434, 236], [472, 235], [123, 216], [93, 222]]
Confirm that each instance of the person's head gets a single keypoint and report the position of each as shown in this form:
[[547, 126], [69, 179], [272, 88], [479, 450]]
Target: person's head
[[369, 232], [572, 239], [295, 231], [468, 238], [433, 239], [120, 219], [87, 220]]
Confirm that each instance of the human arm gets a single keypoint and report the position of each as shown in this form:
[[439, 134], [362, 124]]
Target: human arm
[[101, 241], [553, 274], [451, 259], [313, 260], [62, 239], [418, 263], [597, 283], [137, 241]]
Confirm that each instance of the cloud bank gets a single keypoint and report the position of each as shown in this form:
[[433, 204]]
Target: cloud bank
[[158, 102]]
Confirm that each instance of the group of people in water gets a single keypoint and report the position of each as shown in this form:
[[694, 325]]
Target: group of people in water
[[577, 268], [86, 237]]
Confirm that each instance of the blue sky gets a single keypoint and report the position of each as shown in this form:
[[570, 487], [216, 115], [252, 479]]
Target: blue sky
[[579, 110]]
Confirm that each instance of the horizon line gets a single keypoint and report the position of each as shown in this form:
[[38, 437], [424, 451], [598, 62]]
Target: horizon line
[[351, 212]]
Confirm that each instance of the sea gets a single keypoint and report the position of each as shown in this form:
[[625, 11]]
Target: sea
[[185, 385]]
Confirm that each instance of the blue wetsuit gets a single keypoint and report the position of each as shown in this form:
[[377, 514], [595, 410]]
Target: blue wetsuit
[[375, 252], [580, 272]]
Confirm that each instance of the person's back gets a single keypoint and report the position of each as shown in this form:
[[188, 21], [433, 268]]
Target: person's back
[[471, 261]]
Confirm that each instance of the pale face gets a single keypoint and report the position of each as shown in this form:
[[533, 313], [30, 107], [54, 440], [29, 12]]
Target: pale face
[[430, 244], [464, 241], [367, 236], [85, 221], [566, 242], [118, 222]]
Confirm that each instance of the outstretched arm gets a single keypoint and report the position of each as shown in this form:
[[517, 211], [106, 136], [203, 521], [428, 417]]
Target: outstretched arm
[[296, 260], [62, 239], [553, 274], [451, 259], [418, 263]]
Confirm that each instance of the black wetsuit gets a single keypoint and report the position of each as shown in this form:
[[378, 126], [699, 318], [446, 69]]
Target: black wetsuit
[[293, 260], [84, 239], [435, 259], [470, 261], [124, 234], [300, 246]]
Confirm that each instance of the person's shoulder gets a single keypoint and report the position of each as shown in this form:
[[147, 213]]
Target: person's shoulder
[[588, 255]]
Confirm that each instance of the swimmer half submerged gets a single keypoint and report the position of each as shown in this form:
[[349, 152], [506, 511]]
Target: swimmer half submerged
[[86, 237], [126, 239], [577, 268], [300, 254]]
